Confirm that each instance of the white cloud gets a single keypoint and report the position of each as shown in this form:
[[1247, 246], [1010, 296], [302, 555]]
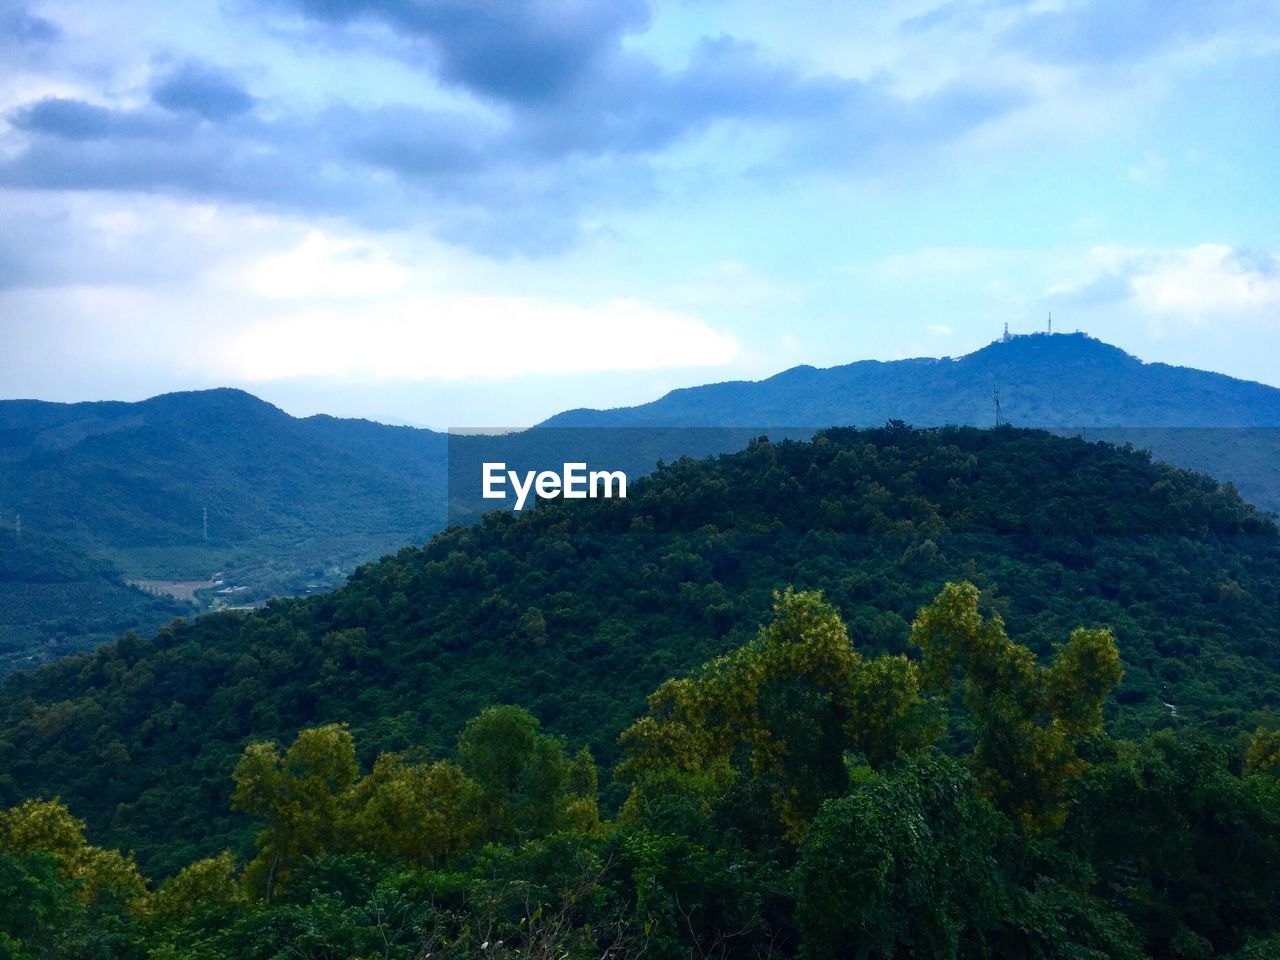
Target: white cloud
[[1207, 280], [322, 266], [472, 337], [256, 299]]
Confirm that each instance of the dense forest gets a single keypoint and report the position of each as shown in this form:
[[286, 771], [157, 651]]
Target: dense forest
[[791, 798], [54, 600], [577, 611]]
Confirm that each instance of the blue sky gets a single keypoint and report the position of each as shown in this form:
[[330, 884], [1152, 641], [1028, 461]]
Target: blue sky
[[479, 213]]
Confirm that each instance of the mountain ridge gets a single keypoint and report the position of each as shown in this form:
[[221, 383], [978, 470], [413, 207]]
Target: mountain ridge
[[1256, 404], [295, 503], [186, 485]]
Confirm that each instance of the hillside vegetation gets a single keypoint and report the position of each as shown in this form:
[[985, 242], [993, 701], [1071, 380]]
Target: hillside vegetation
[[54, 600], [576, 611], [788, 799], [293, 504]]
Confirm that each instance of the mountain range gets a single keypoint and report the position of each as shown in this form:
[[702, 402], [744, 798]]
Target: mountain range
[[213, 491], [1069, 383], [1062, 380], [128, 514]]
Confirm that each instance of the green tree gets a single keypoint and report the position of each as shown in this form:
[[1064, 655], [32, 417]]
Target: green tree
[[1029, 721], [1263, 754], [1185, 846], [47, 826], [38, 905], [301, 795], [783, 711], [208, 885], [422, 814], [907, 863], [529, 787], [920, 863]]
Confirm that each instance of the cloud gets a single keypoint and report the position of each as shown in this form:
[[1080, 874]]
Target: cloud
[[1207, 280], [518, 181], [1093, 33], [20, 27], [462, 337], [322, 266], [69, 119], [75, 240], [204, 90], [215, 296], [1210, 281], [524, 52], [1109, 32]]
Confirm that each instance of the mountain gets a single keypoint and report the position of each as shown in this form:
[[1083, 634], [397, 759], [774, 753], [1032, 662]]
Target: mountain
[[578, 609], [1068, 382], [292, 504], [1059, 380]]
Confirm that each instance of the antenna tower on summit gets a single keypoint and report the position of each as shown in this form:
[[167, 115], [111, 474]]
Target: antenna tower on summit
[[1006, 331], [1051, 323]]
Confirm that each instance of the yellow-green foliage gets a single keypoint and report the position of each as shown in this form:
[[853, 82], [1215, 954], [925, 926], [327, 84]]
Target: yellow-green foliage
[[513, 783], [301, 795], [798, 698], [1028, 719], [419, 813], [205, 884], [1263, 754], [47, 826]]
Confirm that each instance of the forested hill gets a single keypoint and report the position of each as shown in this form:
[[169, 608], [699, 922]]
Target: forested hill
[[578, 610], [53, 598], [1193, 418], [291, 503]]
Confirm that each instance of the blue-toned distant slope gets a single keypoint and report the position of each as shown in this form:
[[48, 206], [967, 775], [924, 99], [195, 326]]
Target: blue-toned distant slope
[[1064, 380], [121, 489], [1192, 418]]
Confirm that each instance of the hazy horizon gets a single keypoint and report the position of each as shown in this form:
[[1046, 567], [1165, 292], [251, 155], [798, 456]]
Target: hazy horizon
[[296, 409]]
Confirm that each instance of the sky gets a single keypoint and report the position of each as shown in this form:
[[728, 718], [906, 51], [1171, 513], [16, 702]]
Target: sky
[[476, 213]]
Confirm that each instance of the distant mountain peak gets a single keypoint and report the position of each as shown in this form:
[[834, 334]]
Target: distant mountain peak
[[1040, 348], [213, 398], [1048, 380]]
